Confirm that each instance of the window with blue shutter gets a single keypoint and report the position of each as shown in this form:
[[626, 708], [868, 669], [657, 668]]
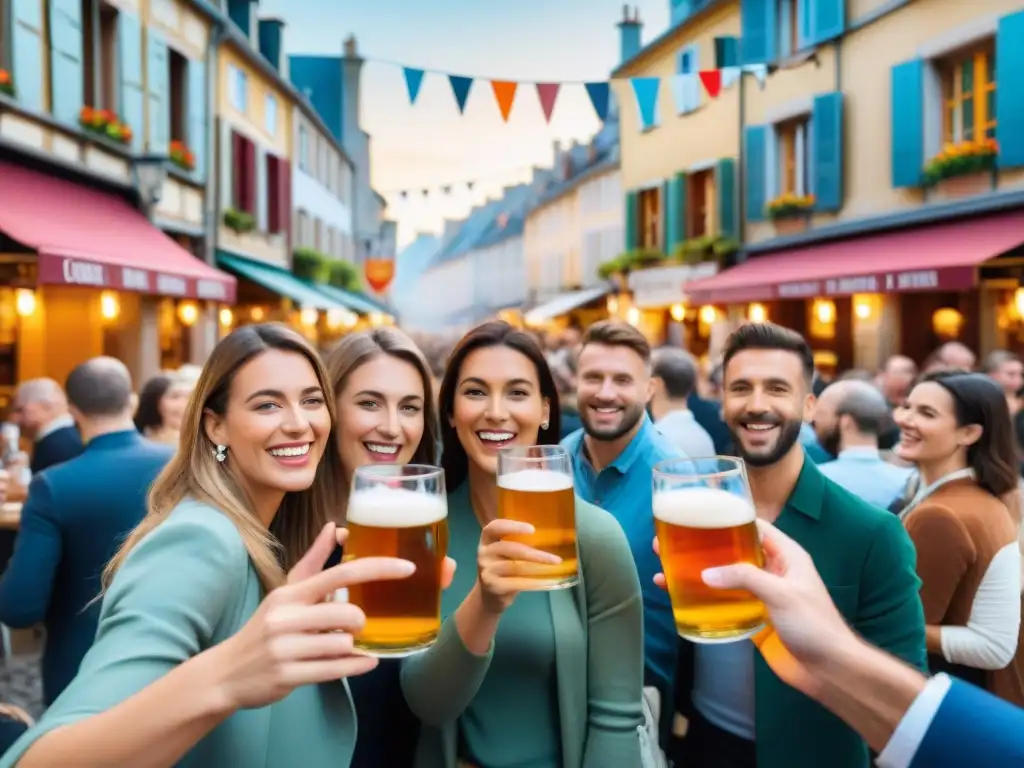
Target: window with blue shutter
[[804, 32], [158, 76], [632, 213], [827, 20], [668, 227], [907, 115], [133, 95], [827, 151], [197, 123], [755, 166], [675, 212], [67, 87], [27, 53], [1010, 90], [725, 197], [757, 41]]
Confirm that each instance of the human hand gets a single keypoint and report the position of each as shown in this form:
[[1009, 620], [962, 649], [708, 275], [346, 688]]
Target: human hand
[[296, 637], [5, 484], [805, 628], [502, 565]]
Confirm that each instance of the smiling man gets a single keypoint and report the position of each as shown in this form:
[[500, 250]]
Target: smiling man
[[863, 554], [612, 459]]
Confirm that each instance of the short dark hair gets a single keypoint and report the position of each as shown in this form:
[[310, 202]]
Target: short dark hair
[[770, 336], [677, 370], [616, 333], [100, 387], [866, 407], [493, 334], [147, 413]]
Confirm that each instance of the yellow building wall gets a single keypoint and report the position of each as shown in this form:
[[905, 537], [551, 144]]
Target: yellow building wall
[[252, 120], [679, 141]]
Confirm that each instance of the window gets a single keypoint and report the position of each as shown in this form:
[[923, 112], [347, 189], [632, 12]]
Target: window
[[700, 199], [278, 194], [650, 218], [238, 86], [969, 96], [179, 98], [99, 56], [792, 142], [303, 148], [794, 26], [688, 88], [243, 168], [270, 115]]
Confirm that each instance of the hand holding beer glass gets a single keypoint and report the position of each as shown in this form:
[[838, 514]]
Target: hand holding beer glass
[[535, 487], [398, 511], [704, 518]]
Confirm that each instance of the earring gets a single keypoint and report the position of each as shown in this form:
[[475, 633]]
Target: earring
[[221, 453], [544, 425]]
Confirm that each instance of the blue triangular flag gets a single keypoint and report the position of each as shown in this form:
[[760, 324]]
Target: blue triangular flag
[[646, 91], [460, 87], [413, 81], [599, 93]]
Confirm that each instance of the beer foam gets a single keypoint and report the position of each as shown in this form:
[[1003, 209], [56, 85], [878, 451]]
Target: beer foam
[[383, 507], [702, 508], [535, 481]]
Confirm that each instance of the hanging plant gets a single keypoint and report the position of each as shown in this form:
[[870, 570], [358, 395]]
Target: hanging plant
[[344, 275], [182, 156], [310, 264], [239, 222], [6, 83]]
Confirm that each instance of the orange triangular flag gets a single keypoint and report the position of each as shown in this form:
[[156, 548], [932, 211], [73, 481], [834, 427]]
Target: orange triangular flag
[[504, 94]]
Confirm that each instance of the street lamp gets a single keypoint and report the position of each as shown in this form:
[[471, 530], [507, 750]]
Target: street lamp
[[150, 173]]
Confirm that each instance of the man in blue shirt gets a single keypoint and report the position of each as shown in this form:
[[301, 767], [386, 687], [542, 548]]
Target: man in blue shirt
[[612, 460]]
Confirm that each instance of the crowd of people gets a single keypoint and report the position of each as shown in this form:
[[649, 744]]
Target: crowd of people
[[177, 546]]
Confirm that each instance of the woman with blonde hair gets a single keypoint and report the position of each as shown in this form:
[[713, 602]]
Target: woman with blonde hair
[[215, 644]]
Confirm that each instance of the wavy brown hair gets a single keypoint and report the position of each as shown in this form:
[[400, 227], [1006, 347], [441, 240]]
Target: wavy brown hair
[[193, 472]]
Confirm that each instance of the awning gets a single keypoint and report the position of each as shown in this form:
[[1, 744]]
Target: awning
[[279, 281], [357, 302], [942, 257], [92, 238], [563, 303]]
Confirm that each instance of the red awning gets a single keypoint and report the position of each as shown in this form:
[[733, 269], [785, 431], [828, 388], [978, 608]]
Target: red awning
[[92, 238], [944, 257]]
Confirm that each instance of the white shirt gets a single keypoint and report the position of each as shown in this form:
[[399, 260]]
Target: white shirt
[[683, 431], [907, 738]]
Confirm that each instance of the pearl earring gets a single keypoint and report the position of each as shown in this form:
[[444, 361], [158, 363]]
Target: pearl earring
[[544, 425], [221, 453]]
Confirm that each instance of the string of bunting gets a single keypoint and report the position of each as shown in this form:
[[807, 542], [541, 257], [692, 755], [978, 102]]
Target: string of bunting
[[498, 179]]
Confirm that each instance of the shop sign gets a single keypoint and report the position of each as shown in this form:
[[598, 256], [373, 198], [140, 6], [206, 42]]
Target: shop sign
[[664, 286], [61, 270], [949, 279]]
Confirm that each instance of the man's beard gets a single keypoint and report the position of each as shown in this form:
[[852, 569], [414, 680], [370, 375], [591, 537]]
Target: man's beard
[[631, 415], [830, 442], [789, 433]]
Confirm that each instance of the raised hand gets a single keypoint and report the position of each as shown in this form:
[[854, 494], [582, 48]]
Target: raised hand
[[499, 568]]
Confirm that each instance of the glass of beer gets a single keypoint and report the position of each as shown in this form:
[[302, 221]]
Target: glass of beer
[[704, 517], [398, 511], [535, 487]]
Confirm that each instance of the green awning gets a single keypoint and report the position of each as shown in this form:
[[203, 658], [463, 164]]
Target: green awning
[[281, 282], [357, 302]]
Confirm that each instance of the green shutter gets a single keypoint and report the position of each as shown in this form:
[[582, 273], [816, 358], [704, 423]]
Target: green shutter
[[677, 213], [668, 224], [157, 90], [725, 193], [1010, 93], [631, 219], [755, 179], [66, 78]]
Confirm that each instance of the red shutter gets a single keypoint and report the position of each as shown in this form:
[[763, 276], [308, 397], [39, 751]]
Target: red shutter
[[237, 172], [273, 212], [284, 196], [250, 177]]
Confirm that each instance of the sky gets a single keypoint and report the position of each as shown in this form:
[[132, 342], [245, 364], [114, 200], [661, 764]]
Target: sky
[[429, 145]]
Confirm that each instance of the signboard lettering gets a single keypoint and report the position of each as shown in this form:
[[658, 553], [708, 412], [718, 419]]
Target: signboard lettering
[[211, 289], [916, 281], [799, 290], [83, 273], [170, 285], [134, 279]]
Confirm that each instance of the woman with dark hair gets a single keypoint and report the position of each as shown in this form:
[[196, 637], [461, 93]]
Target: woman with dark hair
[[955, 427], [161, 407], [545, 679]]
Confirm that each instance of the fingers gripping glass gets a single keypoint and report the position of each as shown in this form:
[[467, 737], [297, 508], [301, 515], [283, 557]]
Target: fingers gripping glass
[[704, 517], [398, 511], [535, 487]]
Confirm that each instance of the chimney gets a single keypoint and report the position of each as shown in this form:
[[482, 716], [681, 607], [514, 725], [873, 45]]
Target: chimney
[[271, 34], [351, 73], [629, 33], [243, 14]]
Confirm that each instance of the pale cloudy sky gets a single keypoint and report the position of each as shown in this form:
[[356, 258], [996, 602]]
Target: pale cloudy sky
[[430, 144]]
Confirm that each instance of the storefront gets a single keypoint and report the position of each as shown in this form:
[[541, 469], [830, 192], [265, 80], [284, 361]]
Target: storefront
[[583, 307], [657, 304]]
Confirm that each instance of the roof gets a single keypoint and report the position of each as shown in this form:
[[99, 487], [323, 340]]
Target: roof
[[605, 145], [413, 260], [669, 35]]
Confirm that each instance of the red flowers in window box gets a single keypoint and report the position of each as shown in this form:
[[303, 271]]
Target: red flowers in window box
[[106, 123], [182, 156], [6, 83]]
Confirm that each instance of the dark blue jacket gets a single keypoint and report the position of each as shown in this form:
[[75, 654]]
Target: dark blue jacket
[[57, 447], [75, 517]]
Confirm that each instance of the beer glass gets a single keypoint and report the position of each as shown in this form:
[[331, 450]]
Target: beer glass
[[398, 511], [704, 517], [535, 487]]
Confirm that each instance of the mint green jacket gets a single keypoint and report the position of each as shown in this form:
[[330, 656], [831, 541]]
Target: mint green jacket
[[599, 655], [185, 587]]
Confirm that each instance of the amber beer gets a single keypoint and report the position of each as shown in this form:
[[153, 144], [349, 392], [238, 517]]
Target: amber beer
[[403, 616], [706, 527], [537, 489]]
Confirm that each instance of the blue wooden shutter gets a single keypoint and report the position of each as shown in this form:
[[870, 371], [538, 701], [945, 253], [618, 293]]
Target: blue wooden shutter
[[631, 220], [757, 42], [197, 127], [158, 82], [675, 212], [755, 164], [827, 151], [133, 95], [907, 115], [827, 20], [725, 196], [1010, 90], [27, 53], [66, 79]]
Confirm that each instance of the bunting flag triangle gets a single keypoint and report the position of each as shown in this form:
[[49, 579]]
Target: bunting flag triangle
[[460, 87], [729, 76], [548, 94], [646, 91], [599, 94], [760, 71], [413, 81], [505, 95], [712, 80]]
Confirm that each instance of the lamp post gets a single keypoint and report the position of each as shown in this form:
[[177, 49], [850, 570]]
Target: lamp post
[[150, 172]]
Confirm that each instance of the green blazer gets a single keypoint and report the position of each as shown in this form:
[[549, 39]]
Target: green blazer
[[186, 587], [867, 561], [598, 628]]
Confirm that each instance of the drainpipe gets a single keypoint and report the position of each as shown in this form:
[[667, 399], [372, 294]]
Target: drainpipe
[[217, 36], [741, 185]]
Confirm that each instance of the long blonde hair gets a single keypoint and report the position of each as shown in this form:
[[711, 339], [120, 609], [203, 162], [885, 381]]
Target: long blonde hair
[[193, 472]]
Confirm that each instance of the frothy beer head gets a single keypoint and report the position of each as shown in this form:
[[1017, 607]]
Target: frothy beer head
[[383, 507], [702, 508], [535, 481]]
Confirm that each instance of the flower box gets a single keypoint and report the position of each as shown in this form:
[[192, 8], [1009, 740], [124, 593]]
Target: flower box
[[790, 225], [105, 123], [790, 213], [966, 185], [182, 156], [963, 169], [6, 83]]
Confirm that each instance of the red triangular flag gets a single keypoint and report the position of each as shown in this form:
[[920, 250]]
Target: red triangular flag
[[548, 94], [712, 79]]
